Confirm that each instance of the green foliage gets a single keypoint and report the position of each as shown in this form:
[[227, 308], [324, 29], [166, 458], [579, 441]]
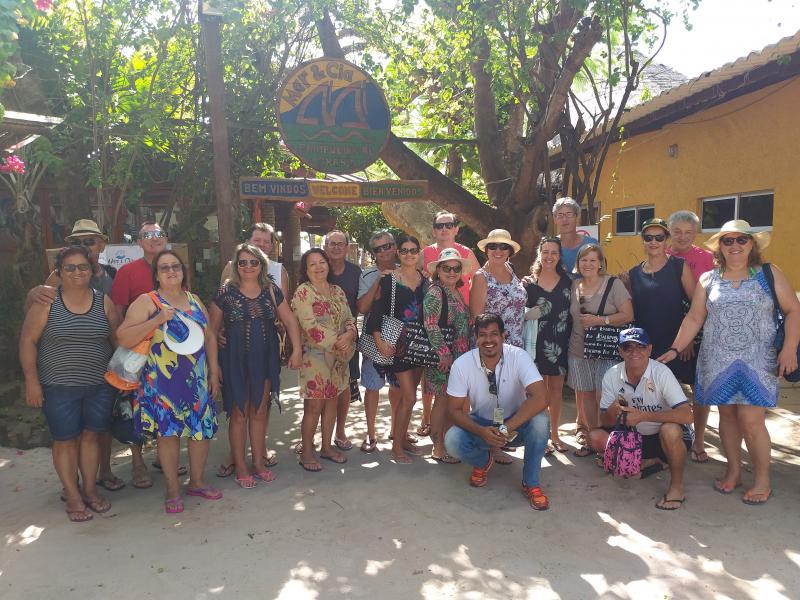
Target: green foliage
[[11, 300], [360, 222]]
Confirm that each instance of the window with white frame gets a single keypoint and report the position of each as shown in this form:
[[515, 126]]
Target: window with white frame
[[628, 221], [753, 207]]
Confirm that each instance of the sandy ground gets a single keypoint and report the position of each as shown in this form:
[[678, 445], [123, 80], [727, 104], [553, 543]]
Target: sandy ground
[[373, 528]]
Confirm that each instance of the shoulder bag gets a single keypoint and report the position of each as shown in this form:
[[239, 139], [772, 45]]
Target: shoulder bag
[[391, 328], [126, 364], [601, 341], [780, 322], [285, 347], [414, 346]]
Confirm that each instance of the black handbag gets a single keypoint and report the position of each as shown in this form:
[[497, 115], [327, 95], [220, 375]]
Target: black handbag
[[391, 329], [601, 341], [414, 346], [780, 323]]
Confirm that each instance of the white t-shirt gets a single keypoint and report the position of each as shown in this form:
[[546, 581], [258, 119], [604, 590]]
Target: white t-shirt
[[275, 270], [367, 280], [515, 372], [657, 390]]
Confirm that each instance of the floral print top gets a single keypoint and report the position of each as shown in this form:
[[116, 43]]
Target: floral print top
[[324, 372], [554, 325], [457, 317], [507, 300]]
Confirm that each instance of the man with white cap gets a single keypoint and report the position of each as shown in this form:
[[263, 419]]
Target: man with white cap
[[655, 404]]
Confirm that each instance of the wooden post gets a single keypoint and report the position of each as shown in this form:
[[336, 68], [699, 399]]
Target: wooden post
[[291, 250], [227, 204]]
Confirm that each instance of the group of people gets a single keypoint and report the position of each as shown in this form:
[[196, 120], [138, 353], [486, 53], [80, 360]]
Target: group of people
[[505, 345]]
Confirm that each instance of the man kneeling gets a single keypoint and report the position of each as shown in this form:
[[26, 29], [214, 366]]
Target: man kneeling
[[655, 403], [508, 403]]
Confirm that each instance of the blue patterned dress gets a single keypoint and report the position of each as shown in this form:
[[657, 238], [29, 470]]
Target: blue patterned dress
[[737, 363], [173, 399], [507, 300]]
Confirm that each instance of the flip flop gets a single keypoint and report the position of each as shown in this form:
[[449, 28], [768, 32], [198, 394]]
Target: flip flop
[[583, 451], [99, 505], [502, 458], [271, 459], [402, 460], [141, 478], [246, 483], [750, 499], [561, 446], [226, 470], [309, 466], [369, 445], [266, 475], [339, 460], [695, 456], [661, 504], [724, 489], [79, 516], [424, 430], [446, 459], [652, 470], [111, 482], [173, 506], [207, 492], [549, 450], [413, 449], [182, 470], [343, 444]]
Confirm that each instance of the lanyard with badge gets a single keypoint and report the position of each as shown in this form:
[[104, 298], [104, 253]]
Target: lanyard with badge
[[498, 416]]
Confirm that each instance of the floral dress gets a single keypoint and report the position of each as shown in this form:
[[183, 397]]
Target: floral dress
[[457, 318], [324, 372], [173, 399], [554, 326], [507, 300]]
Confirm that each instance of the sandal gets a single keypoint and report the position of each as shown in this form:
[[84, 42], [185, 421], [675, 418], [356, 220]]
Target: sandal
[[424, 430], [141, 478], [98, 505], [369, 445], [79, 516], [111, 482], [756, 499], [501, 458], [336, 458], [725, 489], [413, 449], [266, 475], [446, 459], [549, 450], [173, 506], [402, 459], [561, 446], [697, 457], [226, 470], [247, 483], [271, 459], [583, 451], [311, 466], [479, 475], [182, 470], [536, 497], [662, 504], [207, 492], [343, 444]]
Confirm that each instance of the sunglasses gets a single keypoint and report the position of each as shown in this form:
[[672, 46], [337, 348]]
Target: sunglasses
[[632, 347], [153, 235], [171, 267], [253, 262], [441, 226], [494, 246], [449, 269], [83, 267], [492, 378], [87, 242], [382, 248], [649, 237], [729, 241], [412, 251]]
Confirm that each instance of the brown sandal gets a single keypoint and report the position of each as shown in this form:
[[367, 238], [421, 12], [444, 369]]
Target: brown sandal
[[369, 445]]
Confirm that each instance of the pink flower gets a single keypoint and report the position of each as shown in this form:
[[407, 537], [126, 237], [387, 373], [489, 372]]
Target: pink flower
[[319, 309], [44, 5], [316, 334], [12, 164]]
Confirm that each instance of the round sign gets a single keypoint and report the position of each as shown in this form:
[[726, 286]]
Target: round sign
[[333, 116]]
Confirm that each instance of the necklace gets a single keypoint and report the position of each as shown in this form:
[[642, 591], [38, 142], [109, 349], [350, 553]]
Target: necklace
[[325, 292], [649, 269]]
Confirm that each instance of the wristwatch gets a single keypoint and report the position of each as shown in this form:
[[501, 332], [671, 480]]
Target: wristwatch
[[606, 321]]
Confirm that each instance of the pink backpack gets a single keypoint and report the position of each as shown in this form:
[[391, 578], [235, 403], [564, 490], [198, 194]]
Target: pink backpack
[[623, 454]]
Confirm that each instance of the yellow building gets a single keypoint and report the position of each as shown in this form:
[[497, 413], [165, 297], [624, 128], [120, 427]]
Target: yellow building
[[725, 145]]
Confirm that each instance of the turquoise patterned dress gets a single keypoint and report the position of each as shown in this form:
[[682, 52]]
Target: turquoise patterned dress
[[737, 363], [173, 399]]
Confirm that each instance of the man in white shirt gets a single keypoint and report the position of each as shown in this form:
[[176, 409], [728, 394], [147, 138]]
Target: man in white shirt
[[655, 404], [508, 403]]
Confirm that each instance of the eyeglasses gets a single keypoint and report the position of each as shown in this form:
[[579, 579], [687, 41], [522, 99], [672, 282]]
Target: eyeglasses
[[82, 267], [565, 215], [649, 237], [87, 242], [253, 262], [152, 235], [382, 248], [449, 269], [632, 347], [441, 226], [729, 241], [412, 251], [336, 244], [170, 267], [493, 246]]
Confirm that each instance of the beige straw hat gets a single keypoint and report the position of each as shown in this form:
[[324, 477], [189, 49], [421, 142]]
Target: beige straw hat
[[84, 227], [498, 236], [760, 238], [446, 255]]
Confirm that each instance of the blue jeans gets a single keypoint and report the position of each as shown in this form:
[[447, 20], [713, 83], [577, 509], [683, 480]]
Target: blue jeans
[[473, 450]]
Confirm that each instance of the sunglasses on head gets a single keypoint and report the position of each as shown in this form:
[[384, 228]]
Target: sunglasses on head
[[82, 267], [730, 241], [382, 247], [448, 225], [170, 267], [631, 346], [253, 262], [493, 246], [649, 237], [87, 242], [153, 235], [450, 269], [405, 251]]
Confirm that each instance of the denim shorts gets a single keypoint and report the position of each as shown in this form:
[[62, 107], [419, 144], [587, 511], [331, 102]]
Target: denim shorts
[[372, 380], [70, 409]]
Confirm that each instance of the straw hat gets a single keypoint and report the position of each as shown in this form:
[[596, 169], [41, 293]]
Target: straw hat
[[446, 255], [498, 236], [760, 238], [85, 227]]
